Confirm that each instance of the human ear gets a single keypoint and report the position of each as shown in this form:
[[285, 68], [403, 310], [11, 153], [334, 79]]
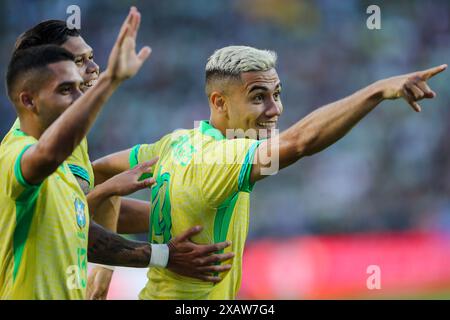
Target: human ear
[[217, 100], [26, 100]]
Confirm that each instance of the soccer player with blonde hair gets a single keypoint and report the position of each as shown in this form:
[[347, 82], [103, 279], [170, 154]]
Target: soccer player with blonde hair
[[205, 175]]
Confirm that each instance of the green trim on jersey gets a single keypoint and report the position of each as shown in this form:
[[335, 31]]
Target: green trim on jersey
[[134, 159], [160, 211], [244, 174], [79, 172], [223, 218], [25, 207], [18, 170], [19, 133], [207, 129]]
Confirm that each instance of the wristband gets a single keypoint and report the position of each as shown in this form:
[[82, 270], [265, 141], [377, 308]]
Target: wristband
[[112, 268], [160, 255]]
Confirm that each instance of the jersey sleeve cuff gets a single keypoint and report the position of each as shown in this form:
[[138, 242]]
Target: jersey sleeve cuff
[[80, 172], [18, 170], [134, 156]]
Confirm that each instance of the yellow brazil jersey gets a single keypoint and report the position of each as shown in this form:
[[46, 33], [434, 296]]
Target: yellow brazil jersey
[[201, 179], [43, 230], [79, 162]]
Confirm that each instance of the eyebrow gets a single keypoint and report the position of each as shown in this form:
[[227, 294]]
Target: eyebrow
[[68, 83], [84, 53], [258, 88], [263, 88]]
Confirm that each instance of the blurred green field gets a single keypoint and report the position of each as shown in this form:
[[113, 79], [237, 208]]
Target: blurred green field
[[437, 295], [441, 294]]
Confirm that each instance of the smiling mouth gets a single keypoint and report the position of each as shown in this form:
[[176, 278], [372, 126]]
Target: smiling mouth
[[267, 124], [90, 83]]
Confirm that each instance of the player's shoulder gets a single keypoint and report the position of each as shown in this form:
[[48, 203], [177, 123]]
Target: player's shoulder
[[176, 138], [176, 134], [12, 131], [13, 135], [12, 145], [16, 139]]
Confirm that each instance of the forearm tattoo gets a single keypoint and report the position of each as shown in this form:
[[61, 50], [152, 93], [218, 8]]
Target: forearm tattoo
[[109, 248], [83, 184]]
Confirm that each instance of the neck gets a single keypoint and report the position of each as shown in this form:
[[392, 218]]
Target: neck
[[219, 125], [31, 128]]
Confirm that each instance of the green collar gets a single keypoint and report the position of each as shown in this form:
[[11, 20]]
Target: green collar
[[207, 129], [20, 133]]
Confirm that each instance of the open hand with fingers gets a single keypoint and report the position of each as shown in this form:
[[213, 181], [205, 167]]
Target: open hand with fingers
[[131, 181], [124, 62], [195, 260], [412, 87]]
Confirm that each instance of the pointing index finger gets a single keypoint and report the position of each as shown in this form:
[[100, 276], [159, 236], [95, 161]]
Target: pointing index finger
[[427, 74]]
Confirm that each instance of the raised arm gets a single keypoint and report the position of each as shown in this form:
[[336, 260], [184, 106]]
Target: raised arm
[[61, 138], [328, 124]]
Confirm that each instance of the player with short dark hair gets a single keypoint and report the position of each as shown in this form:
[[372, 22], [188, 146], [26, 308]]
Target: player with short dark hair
[[46, 233], [46, 32], [106, 208], [56, 32]]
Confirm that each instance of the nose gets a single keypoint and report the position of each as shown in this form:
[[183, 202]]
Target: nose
[[274, 109], [92, 67]]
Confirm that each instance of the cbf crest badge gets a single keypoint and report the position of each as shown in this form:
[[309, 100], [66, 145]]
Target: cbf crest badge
[[79, 211]]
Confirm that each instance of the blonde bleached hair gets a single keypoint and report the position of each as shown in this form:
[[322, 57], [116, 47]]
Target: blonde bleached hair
[[231, 61]]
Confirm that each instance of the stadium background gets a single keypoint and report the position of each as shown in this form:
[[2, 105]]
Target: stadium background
[[380, 196]]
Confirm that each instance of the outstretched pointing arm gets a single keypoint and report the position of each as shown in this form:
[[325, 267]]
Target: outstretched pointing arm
[[328, 124]]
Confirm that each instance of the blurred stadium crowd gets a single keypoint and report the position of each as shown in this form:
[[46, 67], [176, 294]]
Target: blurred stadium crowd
[[392, 172]]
